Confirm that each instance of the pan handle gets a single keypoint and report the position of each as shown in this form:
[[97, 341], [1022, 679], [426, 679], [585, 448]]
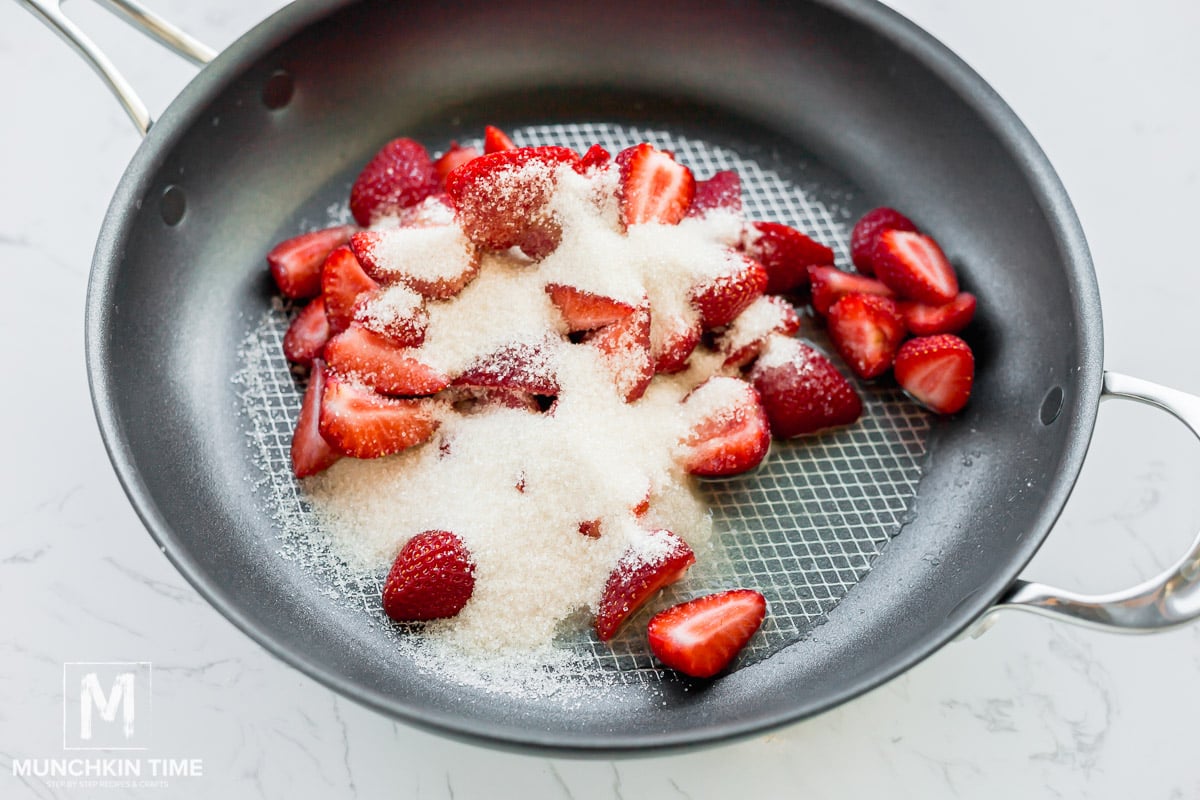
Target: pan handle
[[51, 14], [1162, 602]]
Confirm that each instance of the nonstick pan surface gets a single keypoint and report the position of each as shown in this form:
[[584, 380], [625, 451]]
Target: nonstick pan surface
[[830, 109]]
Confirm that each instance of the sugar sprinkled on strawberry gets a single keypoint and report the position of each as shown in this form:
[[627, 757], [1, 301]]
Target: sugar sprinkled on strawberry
[[785, 254], [728, 432], [801, 390], [363, 424], [398, 176], [660, 560]]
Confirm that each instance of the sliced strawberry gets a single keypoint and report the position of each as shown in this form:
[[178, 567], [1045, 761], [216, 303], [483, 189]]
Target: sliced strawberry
[[829, 284], [923, 320], [915, 267], [866, 232], [398, 176], [432, 577], [721, 299], [455, 156], [937, 372], [702, 637], [310, 452], [802, 391], [672, 340], [518, 366], [728, 432], [296, 263], [625, 349], [396, 312], [590, 528], [501, 197], [378, 363], [585, 311], [418, 257], [434, 211], [468, 400], [654, 186], [867, 331], [344, 285], [785, 254], [595, 158], [722, 191], [745, 338], [495, 140], [306, 336], [640, 573], [363, 424]]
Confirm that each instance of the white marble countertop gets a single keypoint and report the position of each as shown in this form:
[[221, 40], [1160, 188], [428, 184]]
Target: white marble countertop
[[1032, 709]]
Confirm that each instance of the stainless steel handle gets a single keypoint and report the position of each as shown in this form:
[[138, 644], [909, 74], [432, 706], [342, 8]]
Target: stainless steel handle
[[50, 12], [1165, 601]]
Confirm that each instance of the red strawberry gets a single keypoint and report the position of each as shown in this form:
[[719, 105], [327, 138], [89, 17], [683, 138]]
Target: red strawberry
[[802, 392], [396, 312], [401, 254], [722, 191], [721, 299], [866, 232], [915, 267], [702, 637], [745, 338], [296, 263], [590, 528], [455, 156], [378, 363], [501, 197], [937, 372], [638, 575], [923, 320], [363, 424], [585, 311], [785, 253], [654, 186], [594, 158], [867, 331], [625, 349], [468, 400], [729, 433], [672, 340], [306, 336], [829, 284], [398, 176], [310, 452], [434, 211], [344, 285], [495, 140], [433, 577], [517, 366]]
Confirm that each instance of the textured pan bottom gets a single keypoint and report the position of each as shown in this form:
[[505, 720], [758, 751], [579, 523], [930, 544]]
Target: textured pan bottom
[[803, 529]]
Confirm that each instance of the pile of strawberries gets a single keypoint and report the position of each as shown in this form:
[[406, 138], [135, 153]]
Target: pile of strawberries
[[370, 394]]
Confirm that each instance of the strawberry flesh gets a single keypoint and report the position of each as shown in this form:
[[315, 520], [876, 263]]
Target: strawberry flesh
[[802, 391], [516, 366], [378, 363], [672, 340], [495, 140], [363, 424], [398, 176], [926, 320], [454, 157], [344, 285], [310, 452], [914, 267], [370, 246], [785, 253], [937, 372], [585, 311], [625, 350], [296, 263], [723, 191], [637, 577], [306, 336], [721, 299], [595, 158], [654, 186], [830, 284], [867, 331], [729, 433], [745, 338], [703, 636], [432, 577], [866, 232]]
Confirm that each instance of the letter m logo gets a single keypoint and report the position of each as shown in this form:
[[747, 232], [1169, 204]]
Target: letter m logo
[[106, 706]]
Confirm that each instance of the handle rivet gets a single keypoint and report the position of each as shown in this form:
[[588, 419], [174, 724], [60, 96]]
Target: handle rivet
[[172, 205], [1051, 405], [277, 92]]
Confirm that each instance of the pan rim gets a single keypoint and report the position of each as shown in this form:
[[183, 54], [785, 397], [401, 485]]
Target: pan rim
[[1080, 412]]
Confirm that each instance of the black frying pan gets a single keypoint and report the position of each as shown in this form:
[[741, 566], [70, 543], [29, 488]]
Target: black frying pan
[[845, 100]]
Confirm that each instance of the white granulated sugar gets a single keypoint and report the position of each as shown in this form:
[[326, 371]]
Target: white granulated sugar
[[779, 350], [715, 397], [753, 325], [430, 254], [395, 305]]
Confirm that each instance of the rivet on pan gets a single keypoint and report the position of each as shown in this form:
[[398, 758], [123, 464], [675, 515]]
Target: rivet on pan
[[1051, 405], [277, 92], [172, 204]]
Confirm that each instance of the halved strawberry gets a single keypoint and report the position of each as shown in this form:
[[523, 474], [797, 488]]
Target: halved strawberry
[[672, 340], [937, 372], [585, 311], [721, 299], [296, 263], [830, 284], [654, 186], [746, 336], [495, 140], [363, 424], [702, 637], [867, 331], [722, 191], [785, 254], [640, 573], [398, 176], [455, 156], [310, 452], [924, 320], [866, 232], [379, 364], [501, 197], [344, 285], [396, 312], [914, 267], [432, 577], [469, 400], [517, 366], [435, 260], [802, 391], [625, 349], [728, 431], [306, 336], [595, 157]]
